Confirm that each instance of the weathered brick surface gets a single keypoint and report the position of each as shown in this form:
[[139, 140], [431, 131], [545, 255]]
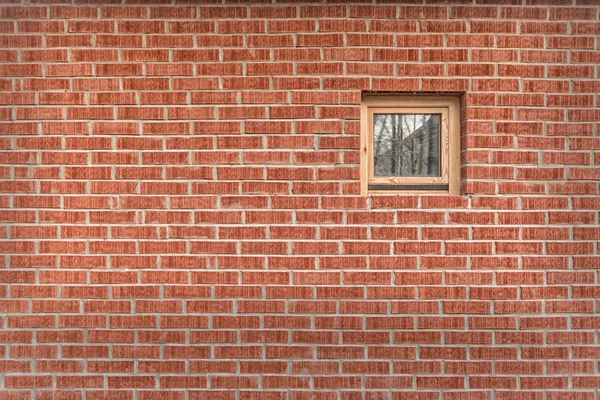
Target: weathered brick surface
[[181, 214]]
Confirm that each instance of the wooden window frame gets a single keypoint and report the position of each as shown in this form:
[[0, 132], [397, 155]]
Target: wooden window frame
[[449, 109]]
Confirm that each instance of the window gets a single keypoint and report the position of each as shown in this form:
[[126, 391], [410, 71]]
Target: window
[[410, 144]]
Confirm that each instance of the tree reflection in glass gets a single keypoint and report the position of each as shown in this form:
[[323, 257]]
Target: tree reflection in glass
[[406, 144]]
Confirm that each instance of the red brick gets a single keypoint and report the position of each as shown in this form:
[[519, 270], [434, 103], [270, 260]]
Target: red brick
[[173, 193]]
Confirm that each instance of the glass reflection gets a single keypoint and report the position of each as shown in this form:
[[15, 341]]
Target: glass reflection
[[406, 144]]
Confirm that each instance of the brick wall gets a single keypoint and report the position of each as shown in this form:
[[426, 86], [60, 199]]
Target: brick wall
[[181, 215]]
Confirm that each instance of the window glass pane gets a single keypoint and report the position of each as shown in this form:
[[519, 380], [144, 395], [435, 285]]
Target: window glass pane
[[406, 144]]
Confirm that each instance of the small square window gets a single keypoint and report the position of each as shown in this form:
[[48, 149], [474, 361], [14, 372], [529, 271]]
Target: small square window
[[410, 144]]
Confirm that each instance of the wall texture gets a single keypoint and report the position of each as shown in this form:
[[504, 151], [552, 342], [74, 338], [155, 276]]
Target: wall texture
[[181, 218]]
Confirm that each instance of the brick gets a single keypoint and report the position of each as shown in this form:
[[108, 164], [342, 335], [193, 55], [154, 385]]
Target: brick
[[572, 13], [543, 27], [448, 55], [470, 40], [189, 188], [524, 13]]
